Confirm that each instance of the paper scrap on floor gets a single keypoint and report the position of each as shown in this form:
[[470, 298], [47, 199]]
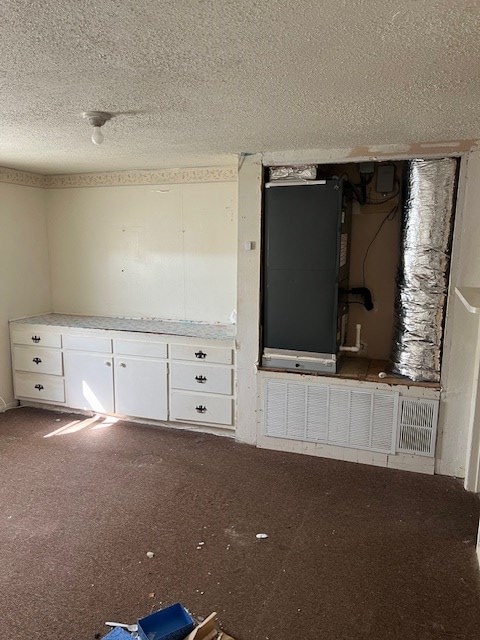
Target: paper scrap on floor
[[207, 630]]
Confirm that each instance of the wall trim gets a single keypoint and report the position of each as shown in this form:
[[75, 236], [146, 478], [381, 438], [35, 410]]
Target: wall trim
[[153, 176], [426, 150], [22, 178], [119, 178]]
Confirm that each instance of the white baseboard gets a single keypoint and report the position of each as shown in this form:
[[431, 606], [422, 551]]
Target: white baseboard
[[9, 405], [227, 432]]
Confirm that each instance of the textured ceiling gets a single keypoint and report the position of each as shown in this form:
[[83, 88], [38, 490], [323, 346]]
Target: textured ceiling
[[196, 81]]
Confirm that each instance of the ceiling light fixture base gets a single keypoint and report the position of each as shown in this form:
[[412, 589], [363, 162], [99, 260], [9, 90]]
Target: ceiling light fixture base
[[97, 118]]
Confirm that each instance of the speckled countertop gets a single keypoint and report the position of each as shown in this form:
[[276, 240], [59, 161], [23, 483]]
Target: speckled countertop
[[168, 327]]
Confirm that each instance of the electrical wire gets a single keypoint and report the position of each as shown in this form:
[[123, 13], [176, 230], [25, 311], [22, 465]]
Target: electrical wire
[[390, 216], [368, 201]]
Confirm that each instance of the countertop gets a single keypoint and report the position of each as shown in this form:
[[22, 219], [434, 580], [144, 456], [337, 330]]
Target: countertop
[[166, 327]]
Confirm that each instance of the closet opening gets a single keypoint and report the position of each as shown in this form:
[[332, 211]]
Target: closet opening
[[355, 268]]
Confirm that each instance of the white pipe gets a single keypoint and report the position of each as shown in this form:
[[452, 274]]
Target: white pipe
[[358, 344]]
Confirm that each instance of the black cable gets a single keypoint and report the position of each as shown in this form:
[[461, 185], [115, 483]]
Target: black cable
[[355, 193], [390, 216]]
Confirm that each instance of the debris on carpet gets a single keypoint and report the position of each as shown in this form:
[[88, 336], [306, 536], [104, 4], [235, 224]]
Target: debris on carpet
[[171, 623]]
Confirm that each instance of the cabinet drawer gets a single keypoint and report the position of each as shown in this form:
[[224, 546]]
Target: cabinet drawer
[[87, 343], [219, 355], [134, 348], [203, 378], [39, 387], [197, 407], [38, 360], [35, 337]]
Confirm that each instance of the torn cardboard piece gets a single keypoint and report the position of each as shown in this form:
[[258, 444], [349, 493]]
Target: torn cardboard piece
[[208, 630]]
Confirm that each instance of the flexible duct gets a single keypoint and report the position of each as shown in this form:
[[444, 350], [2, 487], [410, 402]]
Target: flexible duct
[[424, 268], [294, 172]]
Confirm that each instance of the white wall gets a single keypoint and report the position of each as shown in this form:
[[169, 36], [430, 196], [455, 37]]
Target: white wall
[[166, 251], [461, 329], [24, 273]]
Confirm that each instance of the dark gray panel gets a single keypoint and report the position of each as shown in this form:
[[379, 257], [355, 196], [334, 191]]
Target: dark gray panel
[[300, 310], [302, 226]]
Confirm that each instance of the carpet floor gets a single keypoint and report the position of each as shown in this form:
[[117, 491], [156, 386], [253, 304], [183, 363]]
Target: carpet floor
[[353, 552]]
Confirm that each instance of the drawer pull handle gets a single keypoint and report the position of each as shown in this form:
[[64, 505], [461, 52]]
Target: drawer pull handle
[[200, 354], [36, 338], [201, 408], [39, 386], [108, 363], [36, 360], [200, 379], [123, 365]]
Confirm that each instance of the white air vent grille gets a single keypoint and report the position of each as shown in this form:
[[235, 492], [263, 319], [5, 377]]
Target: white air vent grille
[[331, 414], [417, 426]]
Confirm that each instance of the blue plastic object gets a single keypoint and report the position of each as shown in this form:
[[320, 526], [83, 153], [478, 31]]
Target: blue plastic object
[[172, 623], [118, 634]]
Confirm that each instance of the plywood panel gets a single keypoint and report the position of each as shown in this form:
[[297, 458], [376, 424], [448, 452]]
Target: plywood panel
[[210, 241], [380, 269], [165, 251]]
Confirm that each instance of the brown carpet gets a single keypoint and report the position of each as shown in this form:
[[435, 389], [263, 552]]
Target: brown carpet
[[352, 551]]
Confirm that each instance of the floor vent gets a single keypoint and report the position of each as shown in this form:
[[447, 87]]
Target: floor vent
[[330, 414], [417, 426]]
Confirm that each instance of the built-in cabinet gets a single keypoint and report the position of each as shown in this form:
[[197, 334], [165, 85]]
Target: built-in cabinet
[[142, 375], [201, 383], [101, 374]]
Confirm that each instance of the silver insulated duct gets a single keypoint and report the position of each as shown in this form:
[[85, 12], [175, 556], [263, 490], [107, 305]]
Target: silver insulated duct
[[424, 267]]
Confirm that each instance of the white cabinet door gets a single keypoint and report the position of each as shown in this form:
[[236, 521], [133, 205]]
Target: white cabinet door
[[141, 388], [89, 381]]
